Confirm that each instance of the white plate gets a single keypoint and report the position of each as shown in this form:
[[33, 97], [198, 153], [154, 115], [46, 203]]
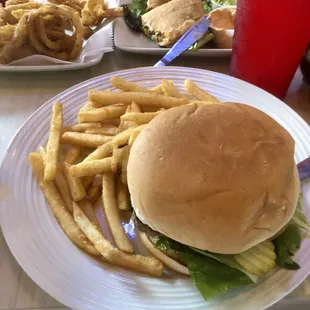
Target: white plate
[[52, 67], [136, 42], [81, 282]]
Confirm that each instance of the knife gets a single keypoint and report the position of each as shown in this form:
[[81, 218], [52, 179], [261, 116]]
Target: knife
[[304, 169], [191, 36]]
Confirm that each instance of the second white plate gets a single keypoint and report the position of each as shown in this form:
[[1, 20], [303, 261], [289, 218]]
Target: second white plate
[[136, 42]]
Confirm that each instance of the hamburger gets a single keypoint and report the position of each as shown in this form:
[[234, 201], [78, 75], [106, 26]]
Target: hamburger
[[215, 192]]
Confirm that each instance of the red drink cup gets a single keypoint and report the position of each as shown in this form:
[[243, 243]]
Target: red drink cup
[[269, 42]]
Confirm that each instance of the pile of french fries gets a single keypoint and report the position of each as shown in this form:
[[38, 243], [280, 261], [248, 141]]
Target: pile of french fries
[[95, 164]]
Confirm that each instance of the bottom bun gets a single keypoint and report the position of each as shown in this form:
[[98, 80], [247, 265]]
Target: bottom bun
[[166, 260]]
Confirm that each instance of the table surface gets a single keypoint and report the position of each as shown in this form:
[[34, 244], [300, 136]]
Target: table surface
[[23, 93]]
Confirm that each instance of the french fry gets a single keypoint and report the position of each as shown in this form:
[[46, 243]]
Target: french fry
[[145, 264], [200, 103], [117, 158], [52, 147], [140, 118], [87, 181], [81, 127], [58, 208], [94, 191], [198, 93], [158, 90], [42, 152], [76, 187], [101, 152], [124, 165], [134, 134], [106, 129], [84, 139], [127, 86], [126, 124], [24, 6], [135, 108], [63, 187], [170, 90], [122, 196], [73, 155], [88, 209], [114, 12], [60, 182], [88, 115], [91, 168], [101, 98], [112, 121], [112, 213], [122, 138]]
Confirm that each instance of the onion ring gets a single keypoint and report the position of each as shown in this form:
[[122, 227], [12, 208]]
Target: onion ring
[[6, 33], [14, 2], [43, 44], [20, 37]]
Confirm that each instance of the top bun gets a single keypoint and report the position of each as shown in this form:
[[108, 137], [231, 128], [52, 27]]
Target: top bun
[[219, 177]]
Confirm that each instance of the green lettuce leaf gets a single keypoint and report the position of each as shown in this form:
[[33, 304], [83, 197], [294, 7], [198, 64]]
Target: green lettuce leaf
[[286, 245], [138, 7], [207, 6], [228, 260], [210, 276], [299, 218], [201, 42]]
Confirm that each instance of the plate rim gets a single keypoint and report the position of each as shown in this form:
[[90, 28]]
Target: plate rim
[[10, 241], [46, 68]]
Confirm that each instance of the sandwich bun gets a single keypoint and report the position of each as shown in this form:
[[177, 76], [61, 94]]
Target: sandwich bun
[[218, 177]]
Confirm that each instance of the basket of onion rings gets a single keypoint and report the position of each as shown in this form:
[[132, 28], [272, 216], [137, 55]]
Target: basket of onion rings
[[57, 29]]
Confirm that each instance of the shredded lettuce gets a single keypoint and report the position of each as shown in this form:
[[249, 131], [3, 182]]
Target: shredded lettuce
[[210, 275]]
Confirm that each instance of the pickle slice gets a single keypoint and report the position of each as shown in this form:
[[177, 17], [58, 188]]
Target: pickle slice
[[258, 260]]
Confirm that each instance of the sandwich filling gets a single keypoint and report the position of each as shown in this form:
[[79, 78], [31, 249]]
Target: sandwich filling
[[214, 273]]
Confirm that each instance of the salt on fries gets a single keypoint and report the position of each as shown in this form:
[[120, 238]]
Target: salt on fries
[[112, 213], [122, 195], [100, 98], [199, 93], [56, 29], [140, 118], [170, 90], [84, 139], [110, 122], [149, 265], [73, 155], [94, 191], [90, 168], [58, 208], [53, 143]]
